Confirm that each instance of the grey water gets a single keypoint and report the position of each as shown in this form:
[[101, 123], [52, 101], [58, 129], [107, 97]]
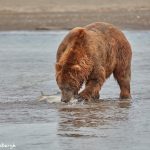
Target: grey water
[[27, 67]]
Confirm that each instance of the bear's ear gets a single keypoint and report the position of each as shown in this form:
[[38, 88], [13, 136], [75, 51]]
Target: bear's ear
[[76, 67], [58, 67]]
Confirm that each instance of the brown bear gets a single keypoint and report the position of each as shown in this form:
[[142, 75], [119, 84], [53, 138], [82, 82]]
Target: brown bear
[[89, 55]]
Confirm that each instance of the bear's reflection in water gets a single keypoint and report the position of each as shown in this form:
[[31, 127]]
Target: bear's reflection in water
[[75, 119]]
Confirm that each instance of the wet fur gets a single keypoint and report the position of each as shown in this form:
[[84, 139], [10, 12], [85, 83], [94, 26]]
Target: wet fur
[[91, 54]]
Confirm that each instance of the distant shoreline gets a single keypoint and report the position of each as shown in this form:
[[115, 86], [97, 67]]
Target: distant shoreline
[[66, 20]]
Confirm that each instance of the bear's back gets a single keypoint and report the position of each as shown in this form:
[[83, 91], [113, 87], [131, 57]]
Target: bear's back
[[101, 27]]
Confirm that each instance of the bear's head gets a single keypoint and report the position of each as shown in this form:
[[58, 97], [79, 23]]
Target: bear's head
[[69, 81]]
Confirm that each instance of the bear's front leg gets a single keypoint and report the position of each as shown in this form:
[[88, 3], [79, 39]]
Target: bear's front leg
[[90, 93], [93, 85]]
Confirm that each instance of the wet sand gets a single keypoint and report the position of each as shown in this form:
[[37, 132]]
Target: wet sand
[[66, 14]]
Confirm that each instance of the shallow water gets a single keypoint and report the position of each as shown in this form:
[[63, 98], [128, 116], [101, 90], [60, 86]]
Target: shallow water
[[27, 68]]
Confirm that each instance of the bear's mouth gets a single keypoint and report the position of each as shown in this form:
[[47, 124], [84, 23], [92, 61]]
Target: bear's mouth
[[64, 100], [74, 97]]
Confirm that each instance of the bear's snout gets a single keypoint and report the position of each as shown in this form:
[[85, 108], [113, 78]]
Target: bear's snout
[[64, 100], [66, 95]]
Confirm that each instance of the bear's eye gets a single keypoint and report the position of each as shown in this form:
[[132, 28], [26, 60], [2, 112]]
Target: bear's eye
[[68, 89]]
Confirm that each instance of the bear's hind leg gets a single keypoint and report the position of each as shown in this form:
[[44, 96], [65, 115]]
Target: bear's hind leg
[[123, 79]]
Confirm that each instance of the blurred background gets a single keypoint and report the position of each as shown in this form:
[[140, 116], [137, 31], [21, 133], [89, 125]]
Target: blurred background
[[66, 14]]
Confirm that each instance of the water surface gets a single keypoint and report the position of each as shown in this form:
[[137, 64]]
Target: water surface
[[27, 68]]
